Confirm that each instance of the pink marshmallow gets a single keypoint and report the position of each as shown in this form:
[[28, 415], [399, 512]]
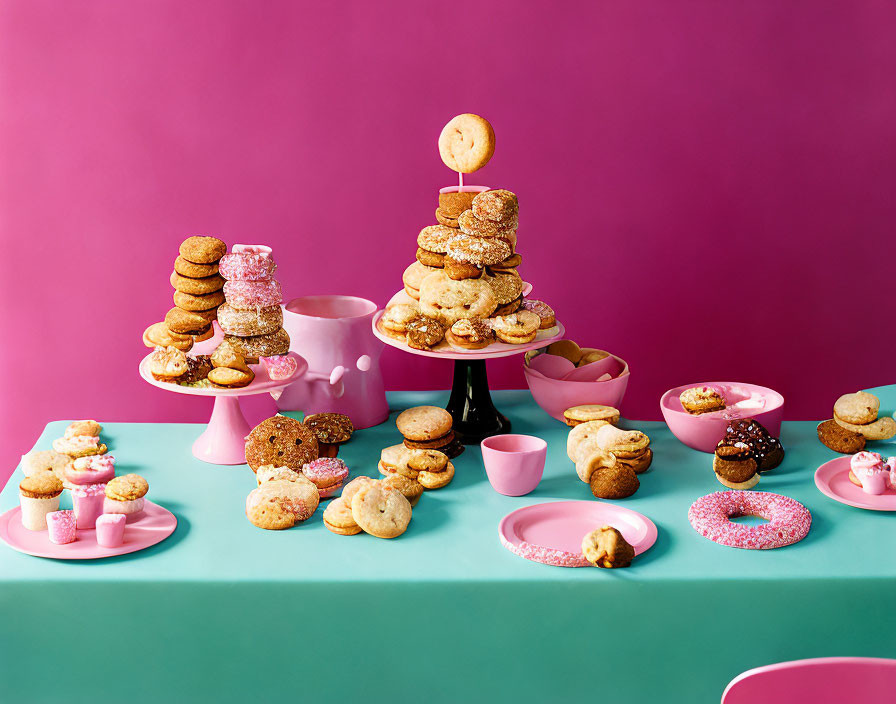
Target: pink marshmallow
[[61, 525], [110, 529]]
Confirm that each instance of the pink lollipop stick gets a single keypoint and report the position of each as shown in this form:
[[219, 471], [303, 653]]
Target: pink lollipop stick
[[460, 182]]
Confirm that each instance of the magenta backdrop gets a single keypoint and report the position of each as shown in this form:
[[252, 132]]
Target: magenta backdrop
[[707, 187]]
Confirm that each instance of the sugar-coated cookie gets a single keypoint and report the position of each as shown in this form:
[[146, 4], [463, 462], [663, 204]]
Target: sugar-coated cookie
[[516, 328], [249, 295], [281, 441], [448, 300], [839, 439], [466, 143], [701, 399], [478, 250], [881, 429], [278, 504], [248, 323], [338, 518], [423, 332], [185, 267], [423, 423], [498, 205], [158, 335], [435, 238], [581, 414], [331, 430], [381, 511], [202, 250], [606, 547], [472, 226], [859, 408], [196, 287], [255, 346], [247, 265]]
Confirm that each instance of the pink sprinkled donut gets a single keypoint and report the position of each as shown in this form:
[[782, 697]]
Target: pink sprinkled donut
[[246, 295], [246, 266], [788, 520], [280, 366]]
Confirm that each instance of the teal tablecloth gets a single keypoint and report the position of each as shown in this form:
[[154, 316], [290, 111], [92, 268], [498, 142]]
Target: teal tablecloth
[[225, 612]]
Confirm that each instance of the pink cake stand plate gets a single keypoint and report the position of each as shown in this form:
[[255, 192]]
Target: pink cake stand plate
[[152, 527], [832, 480], [552, 532], [224, 439]]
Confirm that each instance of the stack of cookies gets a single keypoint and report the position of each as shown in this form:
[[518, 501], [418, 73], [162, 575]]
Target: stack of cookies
[[379, 508], [429, 428], [607, 458], [855, 422], [251, 317], [197, 291], [746, 450], [431, 469]]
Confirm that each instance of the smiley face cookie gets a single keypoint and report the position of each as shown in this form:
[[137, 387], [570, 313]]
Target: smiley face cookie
[[466, 143], [448, 300], [281, 441]]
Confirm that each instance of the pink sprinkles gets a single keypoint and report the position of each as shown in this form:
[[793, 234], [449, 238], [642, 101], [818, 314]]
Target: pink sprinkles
[[246, 295], [547, 556], [326, 470], [788, 520], [280, 366], [246, 266]]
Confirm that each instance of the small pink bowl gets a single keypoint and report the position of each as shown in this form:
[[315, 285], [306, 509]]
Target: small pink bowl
[[514, 463], [556, 395], [703, 432]]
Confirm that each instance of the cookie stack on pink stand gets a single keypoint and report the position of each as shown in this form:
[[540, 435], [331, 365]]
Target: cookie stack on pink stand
[[251, 317]]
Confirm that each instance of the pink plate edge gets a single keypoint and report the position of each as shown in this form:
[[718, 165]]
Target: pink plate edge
[[822, 482], [6, 517], [564, 556]]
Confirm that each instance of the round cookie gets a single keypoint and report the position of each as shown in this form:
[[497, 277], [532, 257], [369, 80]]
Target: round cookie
[[413, 277], [158, 335], [881, 429], [247, 323], [508, 287], [185, 267], [331, 430], [281, 441], [582, 414], [424, 423], [567, 349], [859, 408], [639, 464], [616, 482], [38, 461], [480, 251], [255, 346], [278, 504], [194, 286], [338, 518], [466, 143], [423, 332], [444, 219], [410, 488], [453, 203], [432, 259], [498, 205], [516, 328], [605, 547], [397, 316], [188, 322], [127, 487], [435, 238], [470, 334], [230, 378], [202, 250], [449, 300], [839, 439], [436, 480], [186, 301], [545, 313], [349, 490], [381, 511]]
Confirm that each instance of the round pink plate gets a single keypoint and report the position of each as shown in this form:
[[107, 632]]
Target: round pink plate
[[152, 527], [832, 480], [552, 532]]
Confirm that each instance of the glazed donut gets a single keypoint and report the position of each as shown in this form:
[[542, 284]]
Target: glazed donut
[[245, 323], [248, 295], [466, 143], [251, 348], [477, 250], [95, 469], [498, 205], [788, 520], [246, 266]]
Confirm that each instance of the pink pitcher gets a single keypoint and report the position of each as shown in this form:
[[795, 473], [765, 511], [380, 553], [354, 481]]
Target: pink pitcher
[[333, 333]]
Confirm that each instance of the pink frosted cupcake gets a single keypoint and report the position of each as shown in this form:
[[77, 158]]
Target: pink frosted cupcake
[[62, 527], [328, 474], [95, 469], [125, 495]]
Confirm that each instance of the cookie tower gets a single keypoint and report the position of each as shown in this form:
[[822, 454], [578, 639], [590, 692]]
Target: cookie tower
[[251, 317], [197, 291]]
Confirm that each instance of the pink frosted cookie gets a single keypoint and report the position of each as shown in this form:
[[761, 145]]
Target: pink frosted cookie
[[61, 525], [788, 520], [248, 295], [93, 469], [110, 530], [280, 366], [247, 263], [327, 474]]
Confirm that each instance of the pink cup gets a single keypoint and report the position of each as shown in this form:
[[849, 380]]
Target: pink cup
[[514, 463], [110, 529], [87, 501]]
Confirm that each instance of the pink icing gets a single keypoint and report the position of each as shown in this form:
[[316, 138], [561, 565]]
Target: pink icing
[[83, 442], [547, 556], [247, 265], [326, 471], [330, 490], [876, 474], [788, 520], [110, 529], [91, 470], [61, 525], [280, 366], [88, 501], [260, 249], [247, 295]]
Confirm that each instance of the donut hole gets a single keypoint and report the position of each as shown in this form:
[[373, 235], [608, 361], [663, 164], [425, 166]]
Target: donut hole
[[748, 520]]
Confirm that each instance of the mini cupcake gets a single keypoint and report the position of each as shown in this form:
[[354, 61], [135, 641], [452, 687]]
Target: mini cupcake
[[328, 474], [125, 495], [61, 525], [39, 495]]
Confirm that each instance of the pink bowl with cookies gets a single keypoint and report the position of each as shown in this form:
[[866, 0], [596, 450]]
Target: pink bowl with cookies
[[556, 395], [703, 432]]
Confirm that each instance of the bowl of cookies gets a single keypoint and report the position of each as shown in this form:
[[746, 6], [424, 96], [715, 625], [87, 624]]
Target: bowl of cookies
[[563, 375], [698, 414]]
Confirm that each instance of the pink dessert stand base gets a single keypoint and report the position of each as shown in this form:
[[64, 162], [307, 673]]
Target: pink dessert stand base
[[224, 439]]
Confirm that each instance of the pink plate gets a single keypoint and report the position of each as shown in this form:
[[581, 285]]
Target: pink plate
[[552, 532], [152, 527], [832, 480]]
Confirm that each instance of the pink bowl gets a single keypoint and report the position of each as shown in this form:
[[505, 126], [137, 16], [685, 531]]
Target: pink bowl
[[514, 463], [556, 395], [703, 432]]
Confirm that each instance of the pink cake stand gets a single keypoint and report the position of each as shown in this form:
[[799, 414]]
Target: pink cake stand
[[470, 404], [224, 439]]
